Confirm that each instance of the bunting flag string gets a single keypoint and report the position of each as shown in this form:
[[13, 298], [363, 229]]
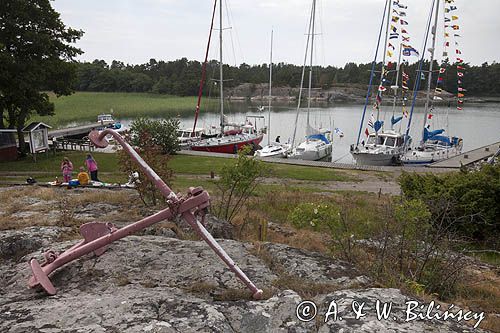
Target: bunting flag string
[[459, 62], [398, 39]]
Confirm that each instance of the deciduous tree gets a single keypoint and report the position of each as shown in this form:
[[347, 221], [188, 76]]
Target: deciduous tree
[[35, 56]]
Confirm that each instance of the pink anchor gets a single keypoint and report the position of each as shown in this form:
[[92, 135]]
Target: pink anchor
[[97, 236]]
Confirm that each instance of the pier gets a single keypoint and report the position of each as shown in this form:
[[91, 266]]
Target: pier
[[470, 157], [324, 164], [77, 130]]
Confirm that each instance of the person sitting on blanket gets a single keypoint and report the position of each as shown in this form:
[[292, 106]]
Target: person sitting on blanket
[[83, 177]]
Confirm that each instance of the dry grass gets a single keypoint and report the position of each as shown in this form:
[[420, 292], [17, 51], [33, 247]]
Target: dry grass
[[100, 195], [231, 294], [201, 287]]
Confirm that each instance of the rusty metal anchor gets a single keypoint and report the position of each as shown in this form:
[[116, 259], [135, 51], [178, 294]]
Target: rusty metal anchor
[[97, 236]]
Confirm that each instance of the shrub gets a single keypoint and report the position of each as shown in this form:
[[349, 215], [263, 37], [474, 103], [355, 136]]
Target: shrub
[[470, 197], [236, 184], [160, 133]]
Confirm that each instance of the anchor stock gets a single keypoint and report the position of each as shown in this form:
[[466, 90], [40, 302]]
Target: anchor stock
[[97, 236]]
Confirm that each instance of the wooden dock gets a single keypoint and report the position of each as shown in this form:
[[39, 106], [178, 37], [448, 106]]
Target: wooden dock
[[470, 157], [76, 130], [321, 164]]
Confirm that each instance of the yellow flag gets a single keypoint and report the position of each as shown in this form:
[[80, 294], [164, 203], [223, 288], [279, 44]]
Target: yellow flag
[[389, 54], [454, 17]]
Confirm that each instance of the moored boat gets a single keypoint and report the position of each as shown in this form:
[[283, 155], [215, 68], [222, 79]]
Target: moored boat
[[229, 142], [436, 146], [382, 149]]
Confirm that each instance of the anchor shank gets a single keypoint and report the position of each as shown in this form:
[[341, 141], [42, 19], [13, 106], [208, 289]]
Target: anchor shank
[[76, 252]]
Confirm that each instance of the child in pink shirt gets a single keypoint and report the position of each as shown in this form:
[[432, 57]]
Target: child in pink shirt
[[91, 165], [67, 169]]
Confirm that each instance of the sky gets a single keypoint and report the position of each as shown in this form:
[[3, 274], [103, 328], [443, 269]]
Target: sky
[[135, 31]]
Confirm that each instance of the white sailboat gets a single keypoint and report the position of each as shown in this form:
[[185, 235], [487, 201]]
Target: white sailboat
[[435, 146], [272, 149], [383, 147], [317, 144]]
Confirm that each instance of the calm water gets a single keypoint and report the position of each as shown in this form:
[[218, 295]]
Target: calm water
[[477, 124]]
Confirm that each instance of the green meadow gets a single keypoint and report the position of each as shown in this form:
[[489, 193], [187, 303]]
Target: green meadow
[[85, 106], [47, 167]]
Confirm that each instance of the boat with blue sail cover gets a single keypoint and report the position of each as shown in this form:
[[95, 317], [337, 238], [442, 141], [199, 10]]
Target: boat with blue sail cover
[[386, 146], [435, 145], [317, 144]]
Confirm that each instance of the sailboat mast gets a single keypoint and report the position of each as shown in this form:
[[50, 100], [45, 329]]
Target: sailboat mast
[[372, 71], [311, 64], [382, 73], [221, 82], [431, 66], [204, 71], [302, 80], [270, 91]]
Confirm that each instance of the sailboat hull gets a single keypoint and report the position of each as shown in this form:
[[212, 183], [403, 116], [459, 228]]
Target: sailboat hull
[[227, 145], [428, 156], [366, 158]]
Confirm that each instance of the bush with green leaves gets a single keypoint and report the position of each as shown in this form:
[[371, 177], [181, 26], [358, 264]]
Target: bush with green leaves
[[158, 132], [154, 140], [471, 198], [237, 182]]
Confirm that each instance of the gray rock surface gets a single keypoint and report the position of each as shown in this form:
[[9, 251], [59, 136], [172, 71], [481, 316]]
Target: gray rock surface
[[160, 284]]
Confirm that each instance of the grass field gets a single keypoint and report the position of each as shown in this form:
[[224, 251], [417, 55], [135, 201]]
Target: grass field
[[47, 167], [85, 106]]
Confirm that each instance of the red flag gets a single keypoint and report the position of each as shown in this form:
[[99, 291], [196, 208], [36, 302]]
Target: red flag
[[430, 116], [366, 132]]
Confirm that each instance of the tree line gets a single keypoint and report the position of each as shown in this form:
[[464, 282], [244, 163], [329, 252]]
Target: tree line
[[182, 77]]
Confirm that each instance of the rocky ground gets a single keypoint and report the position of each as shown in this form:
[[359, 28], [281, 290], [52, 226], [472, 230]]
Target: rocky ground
[[165, 280]]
